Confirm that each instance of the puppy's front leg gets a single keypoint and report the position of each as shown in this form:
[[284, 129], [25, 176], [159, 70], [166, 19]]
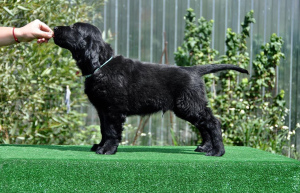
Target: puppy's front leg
[[206, 145], [111, 134], [102, 128]]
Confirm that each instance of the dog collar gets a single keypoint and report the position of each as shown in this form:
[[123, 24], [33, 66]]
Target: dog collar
[[87, 76]]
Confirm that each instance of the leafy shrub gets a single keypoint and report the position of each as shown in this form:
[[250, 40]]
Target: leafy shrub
[[251, 113], [34, 77]]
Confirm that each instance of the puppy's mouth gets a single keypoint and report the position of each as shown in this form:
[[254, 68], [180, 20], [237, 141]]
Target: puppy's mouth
[[56, 32], [57, 36]]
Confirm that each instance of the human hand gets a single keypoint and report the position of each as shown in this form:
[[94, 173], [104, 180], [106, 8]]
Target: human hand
[[34, 30]]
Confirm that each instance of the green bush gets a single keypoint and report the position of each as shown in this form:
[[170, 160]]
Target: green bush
[[251, 113], [34, 77]]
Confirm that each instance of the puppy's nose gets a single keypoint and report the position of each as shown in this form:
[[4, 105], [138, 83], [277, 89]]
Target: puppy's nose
[[55, 31]]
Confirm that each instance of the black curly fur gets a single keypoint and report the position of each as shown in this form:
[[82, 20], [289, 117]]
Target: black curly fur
[[125, 87]]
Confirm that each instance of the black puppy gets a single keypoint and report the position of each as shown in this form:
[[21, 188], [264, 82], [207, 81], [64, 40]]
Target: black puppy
[[120, 87]]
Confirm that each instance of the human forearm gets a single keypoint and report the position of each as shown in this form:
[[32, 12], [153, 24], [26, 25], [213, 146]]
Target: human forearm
[[34, 30], [6, 35]]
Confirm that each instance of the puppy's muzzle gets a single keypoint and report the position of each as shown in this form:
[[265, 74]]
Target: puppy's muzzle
[[57, 31]]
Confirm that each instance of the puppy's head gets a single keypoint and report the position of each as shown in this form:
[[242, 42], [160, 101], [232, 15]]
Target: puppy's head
[[76, 37], [85, 42]]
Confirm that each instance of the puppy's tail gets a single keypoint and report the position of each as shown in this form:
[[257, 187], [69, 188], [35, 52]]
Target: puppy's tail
[[212, 68]]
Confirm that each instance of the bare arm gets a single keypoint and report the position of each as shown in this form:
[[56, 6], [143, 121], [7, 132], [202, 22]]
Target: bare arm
[[34, 30], [6, 36]]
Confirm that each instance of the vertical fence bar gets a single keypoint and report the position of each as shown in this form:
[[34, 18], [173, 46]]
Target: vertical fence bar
[[212, 88], [239, 16], [139, 119], [238, 31], [163, 29], [162, 129], [175, 26], [265, 22], [226, 19], [151, 60], [104, 18], [251, 41], [127, 28], [186, 132], [291, 72], [213, 27], [201, 4], [116, 27], [163, 44], [151, 34], [140, 29], [175, 49], [265, 34], [127, 48], [186, 124], [278, 31]]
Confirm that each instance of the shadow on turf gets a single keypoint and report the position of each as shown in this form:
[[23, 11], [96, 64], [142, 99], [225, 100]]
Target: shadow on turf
[[122, 149], [55, 147], [158, 150]]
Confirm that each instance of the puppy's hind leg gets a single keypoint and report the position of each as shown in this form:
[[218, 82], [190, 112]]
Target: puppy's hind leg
[[210, 130], [188, 109], [192, 107], [213, 126]]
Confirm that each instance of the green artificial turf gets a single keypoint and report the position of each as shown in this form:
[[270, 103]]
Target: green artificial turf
[[144, 169]]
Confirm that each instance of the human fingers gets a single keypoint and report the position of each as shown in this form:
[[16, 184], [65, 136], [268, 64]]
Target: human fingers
[[44, 27], [42, 40], [44, 30], [45, 35]]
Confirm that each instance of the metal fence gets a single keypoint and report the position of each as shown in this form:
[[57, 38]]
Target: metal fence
[[137, 28]]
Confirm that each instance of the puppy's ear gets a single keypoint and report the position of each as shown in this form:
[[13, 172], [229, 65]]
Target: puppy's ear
[[97, 51], [92, 50]]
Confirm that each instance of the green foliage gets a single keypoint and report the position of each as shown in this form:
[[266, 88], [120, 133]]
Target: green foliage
[[251, 113], [196, 46], [34, 77]]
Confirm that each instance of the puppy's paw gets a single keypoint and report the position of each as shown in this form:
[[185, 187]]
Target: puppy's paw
[[215, 152], [204, 148], [107, 150], [110, 147], [95, 147]]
